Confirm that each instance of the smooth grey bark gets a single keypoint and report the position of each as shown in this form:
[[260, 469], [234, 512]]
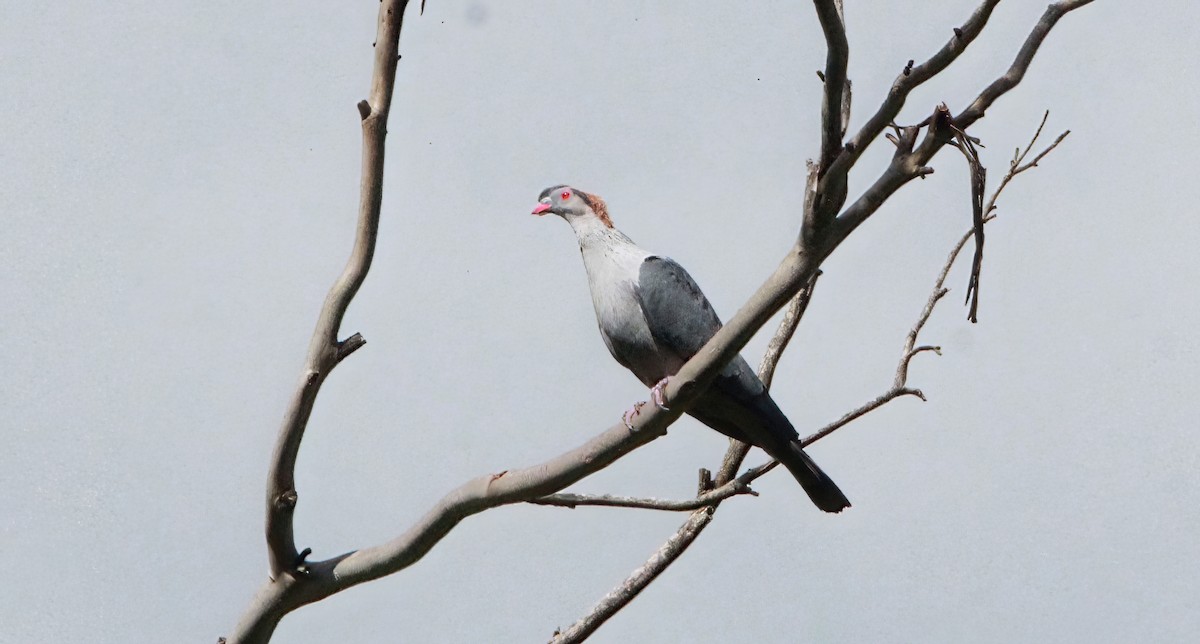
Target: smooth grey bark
[[293, 582]]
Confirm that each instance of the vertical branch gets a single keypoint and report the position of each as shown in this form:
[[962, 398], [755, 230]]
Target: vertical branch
[[837, 57], [835, 118], [325, 351], [284, 590], [966, 144]]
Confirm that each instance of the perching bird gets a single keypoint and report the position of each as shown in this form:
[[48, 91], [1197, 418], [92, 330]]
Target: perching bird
[[653, 318]]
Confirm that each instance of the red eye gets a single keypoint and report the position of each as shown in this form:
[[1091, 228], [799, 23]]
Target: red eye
[[566, 194]]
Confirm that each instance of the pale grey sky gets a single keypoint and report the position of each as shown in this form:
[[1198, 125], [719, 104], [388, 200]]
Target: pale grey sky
[[178, 183]]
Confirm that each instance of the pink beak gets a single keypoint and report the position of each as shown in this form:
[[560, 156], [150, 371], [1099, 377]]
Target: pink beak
[[540, 209]]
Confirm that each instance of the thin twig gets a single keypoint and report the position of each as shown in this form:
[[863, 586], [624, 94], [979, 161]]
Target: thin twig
[[707, 499], [1040, 156], [1015, 166]]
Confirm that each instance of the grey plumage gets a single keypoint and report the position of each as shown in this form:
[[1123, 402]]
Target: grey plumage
[[653, 317]]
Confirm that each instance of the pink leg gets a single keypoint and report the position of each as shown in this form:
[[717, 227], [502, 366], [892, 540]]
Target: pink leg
[[658, 395], [632, 413]]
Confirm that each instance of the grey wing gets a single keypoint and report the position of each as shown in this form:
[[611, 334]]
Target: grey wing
[[682, 321], [679, 316]]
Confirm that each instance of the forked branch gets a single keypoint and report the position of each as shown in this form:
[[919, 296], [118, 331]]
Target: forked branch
[[621, 595], [295, 582], [325, 351]]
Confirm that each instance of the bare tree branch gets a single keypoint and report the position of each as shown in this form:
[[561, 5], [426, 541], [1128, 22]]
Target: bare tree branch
[[900, 382], [294, 582], [835, 174], [909, 163], [766, 372], [1017, 70], [738, 450], [913, 76], [1015, 166], [978, 175], [638, 580], [706, 499], [837, 57], [674, 547], [325, 351]]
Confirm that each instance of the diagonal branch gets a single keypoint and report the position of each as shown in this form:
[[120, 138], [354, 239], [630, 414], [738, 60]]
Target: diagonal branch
[[834, 176], [738, 450], [915, 75], [910, 350], [678, 543], [639, 579], [1017, 165], [766, 371], [909, 163], [1020, 65]]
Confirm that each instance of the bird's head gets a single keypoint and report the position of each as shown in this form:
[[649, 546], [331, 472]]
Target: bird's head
[[570, 204]]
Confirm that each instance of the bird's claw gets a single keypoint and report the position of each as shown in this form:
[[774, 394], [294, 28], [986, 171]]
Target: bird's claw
[[658, 395], [632, 413]]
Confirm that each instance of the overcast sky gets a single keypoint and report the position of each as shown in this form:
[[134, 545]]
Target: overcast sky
[[178, 186]]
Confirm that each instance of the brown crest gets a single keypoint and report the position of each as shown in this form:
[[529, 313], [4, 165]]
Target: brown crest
[[598, 206]]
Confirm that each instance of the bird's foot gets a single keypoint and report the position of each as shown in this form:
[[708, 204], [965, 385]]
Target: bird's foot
[[632, 413], [659, 396]]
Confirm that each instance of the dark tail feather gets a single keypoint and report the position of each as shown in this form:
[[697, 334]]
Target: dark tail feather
[[820, 488]]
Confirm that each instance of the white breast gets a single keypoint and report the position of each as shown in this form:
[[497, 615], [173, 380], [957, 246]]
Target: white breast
[[613, 263]]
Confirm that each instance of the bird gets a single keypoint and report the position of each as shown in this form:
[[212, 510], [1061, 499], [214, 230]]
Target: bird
[[653, 318]]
